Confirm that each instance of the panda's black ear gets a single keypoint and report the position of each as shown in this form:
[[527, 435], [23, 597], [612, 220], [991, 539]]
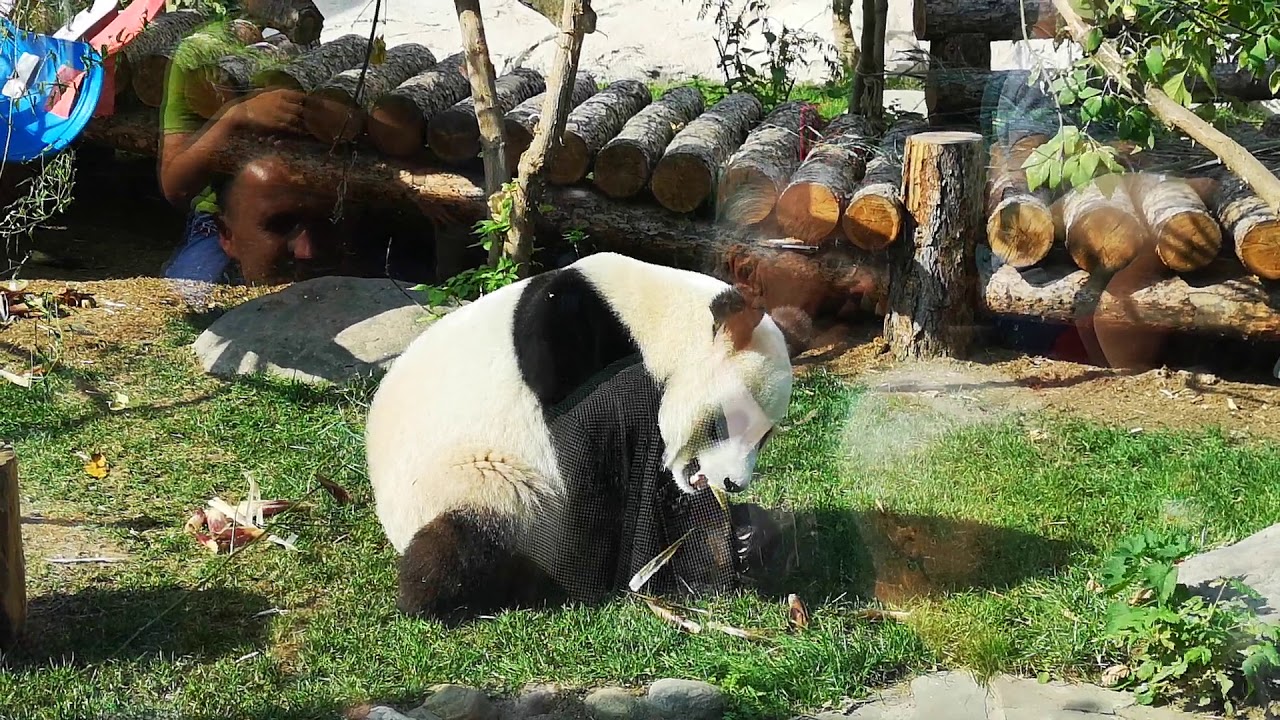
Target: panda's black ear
[[730, 311]]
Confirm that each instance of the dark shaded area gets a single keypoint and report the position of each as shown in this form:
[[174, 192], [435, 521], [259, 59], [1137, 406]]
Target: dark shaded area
[[893, 557], [94, 625]]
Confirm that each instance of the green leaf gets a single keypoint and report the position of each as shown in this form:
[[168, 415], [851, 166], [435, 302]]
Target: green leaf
[[1089, 163], [1038, 174], [1093, 40], [1258, 53], [1274, 82], [1154, 60], [1176, 87]]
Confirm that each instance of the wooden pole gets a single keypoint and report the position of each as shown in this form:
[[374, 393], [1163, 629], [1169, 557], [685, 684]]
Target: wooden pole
[[13, 579], [933, 283]]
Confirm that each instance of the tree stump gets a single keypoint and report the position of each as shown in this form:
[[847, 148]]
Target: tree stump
[[933, 282], [13, 579]]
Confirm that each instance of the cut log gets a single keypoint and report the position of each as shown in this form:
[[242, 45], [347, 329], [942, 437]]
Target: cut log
[[759, 171], [1186, 236], [591, 125], [1102, 227], [244, 31], [809, 208], [933, 282], [625, 163], [952, 63], [997, 19], [150, 53], [298, 20], [1225, 300], [334, 113], [13, 578], [874, 217], [454, 134], [690, 166], [1020, 225], [397, 123], [313, 68], [1254, 228], [520, 123], [209, 88]]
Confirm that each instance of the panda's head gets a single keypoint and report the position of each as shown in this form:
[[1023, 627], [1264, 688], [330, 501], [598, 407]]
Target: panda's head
[[719, 408]]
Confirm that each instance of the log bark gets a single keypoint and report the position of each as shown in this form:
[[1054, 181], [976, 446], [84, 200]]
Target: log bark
[[997, 19], [1186, 236], [13, 584], [1020, 224], [1237, 159], [933, 284], [336, 111], [952, 63], [454, 134], [1254, 227], [842, 33], [591, 125], [314, 67], [208, 89], [689, 169], [874, 217], [299, 20], [528, 190], [1225, 300], [810, 207], [553, 10], [522, 121], [1103, 230], [757, 173], [625, 163], [245, 32], [397, 124], [151, 51]]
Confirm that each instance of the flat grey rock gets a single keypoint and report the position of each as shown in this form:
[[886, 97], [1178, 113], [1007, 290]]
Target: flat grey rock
[[685, 700], [1255, 561], [1028, 699], [327, 329], [612, 703], [458, 702], [949, 696]]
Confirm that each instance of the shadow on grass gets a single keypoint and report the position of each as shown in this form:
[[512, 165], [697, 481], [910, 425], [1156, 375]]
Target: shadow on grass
[[90, 626], [891, 557]]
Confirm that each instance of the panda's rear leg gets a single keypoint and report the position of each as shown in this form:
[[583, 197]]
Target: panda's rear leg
[[462, 564]]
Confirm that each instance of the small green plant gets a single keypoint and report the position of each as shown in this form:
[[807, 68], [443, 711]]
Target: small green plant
[[1070, 155], [472, 283], [1180, 646]]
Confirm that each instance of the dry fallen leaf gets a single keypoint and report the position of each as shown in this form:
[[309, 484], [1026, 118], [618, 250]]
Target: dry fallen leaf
[[651, 568], [1113, 675], [338, 492], [1231, 405], [195, 522], [666, 613], [878, 615], [97, 466], [119, 401], [797, 613]]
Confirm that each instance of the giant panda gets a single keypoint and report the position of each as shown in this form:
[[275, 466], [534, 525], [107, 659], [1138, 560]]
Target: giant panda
[[524, 446]]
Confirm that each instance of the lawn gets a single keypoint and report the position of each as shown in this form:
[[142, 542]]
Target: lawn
[[999, 526]]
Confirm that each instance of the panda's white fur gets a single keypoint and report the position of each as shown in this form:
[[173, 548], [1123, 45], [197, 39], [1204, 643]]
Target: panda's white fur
[[454, 424]]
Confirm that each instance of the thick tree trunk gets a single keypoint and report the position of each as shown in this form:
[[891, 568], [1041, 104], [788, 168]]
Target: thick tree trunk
[[1020, 224], [997, 19], [397, 124], [298, 20], [690, 166], [874, 216], [151, 51], [454, 134], [591, 125], [1186, 236], [758, 172], [868, 85], [522, 121], [314, 68], [809, 208], [1254, 227], [528, 190], [13, 584], [625, 163], [842, 32], [933, 284], [956, 63], [1104, 232], [208, 89], [336, 111]]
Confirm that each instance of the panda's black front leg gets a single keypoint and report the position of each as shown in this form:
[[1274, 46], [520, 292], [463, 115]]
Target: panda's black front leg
[[462, 564], [757, 540]]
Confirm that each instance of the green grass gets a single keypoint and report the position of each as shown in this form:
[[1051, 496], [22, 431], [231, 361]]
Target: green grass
[[1039, 514]]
